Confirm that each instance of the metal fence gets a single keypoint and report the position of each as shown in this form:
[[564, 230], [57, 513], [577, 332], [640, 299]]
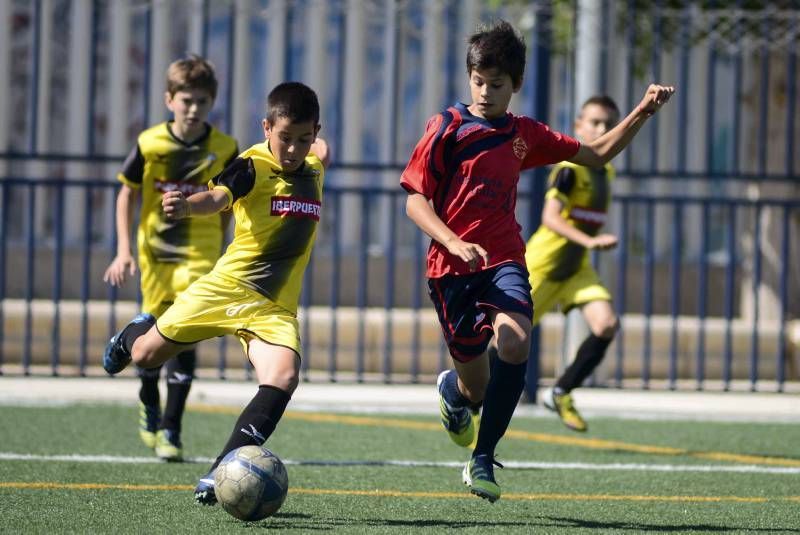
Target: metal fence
[[707, 273]]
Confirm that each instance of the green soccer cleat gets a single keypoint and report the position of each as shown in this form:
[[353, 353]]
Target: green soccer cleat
[[478, 475], [458, 421], [149, 418], [565, 407], [168, 445]]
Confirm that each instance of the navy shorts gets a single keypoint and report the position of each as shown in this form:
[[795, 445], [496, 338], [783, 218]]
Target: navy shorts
[[462, 301]]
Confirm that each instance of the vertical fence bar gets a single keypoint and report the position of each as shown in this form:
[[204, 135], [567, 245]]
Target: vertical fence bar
[[31, 275], [756, 304], [683, 96], [630, 68], [675, 294], [112, 290], [362, 286], [58, 252], [780, 361], [4, 196], [305, 300], [334, 295], [791, 107], [622, 275], [730, 274], [33, 115], [711, 85], [702, 299], [86, 264], [649, 261], [391, 256], [763, 106]]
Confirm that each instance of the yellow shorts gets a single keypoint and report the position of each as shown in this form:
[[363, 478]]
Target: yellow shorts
[[215, 306], [162, 282], [581, 288]]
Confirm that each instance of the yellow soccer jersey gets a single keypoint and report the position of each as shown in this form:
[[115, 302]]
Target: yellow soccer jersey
[[161, 162], [585, 194], [276, 216]]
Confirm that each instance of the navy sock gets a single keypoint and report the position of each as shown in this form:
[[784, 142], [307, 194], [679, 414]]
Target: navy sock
[[132, 331], [148, 390], [502, 396], [451, 392], [588, 357], [258, 420], [180, 372]]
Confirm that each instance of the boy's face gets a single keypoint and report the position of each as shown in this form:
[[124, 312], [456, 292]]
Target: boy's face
[[594, 121], [290, 142], [491, 91], [190, 108]]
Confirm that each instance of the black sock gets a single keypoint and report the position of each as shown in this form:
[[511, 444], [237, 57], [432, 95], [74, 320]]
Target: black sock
[[258, 419], [180, 372], [589, 355], [148, 390], [502, 396], [132, 331]]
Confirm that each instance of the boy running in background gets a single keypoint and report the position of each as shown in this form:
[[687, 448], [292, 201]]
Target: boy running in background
[[556, 255], [462, 186], [177, 155], [275, 191]]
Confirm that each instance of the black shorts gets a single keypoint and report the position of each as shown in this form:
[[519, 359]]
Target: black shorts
[[462, 301]]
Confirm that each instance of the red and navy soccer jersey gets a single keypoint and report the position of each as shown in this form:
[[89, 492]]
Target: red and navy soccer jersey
[[469, 168]]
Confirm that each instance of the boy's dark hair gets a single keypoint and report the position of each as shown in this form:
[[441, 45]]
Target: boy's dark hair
[[294, 101], [191, 72], [497, 46], [604, 101]]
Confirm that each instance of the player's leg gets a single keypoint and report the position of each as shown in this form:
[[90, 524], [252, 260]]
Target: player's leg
[[586, 291], [180, 373], [149, 405], [466, 331]]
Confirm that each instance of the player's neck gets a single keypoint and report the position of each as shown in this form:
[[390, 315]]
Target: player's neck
[[187, 135]]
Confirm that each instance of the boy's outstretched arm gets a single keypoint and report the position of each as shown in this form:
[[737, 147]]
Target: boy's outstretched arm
[[419, 210], [176, 206], [552, 219], [602, 150]]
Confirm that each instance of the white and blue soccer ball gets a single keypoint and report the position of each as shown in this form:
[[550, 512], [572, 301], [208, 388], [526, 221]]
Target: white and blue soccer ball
[[251, 483]]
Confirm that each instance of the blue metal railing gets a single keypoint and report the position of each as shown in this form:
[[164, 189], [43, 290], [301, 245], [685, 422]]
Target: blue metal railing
[[380, 267]]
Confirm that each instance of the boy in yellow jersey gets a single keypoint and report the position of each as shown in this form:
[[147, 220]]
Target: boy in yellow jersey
[[275, 191], [575, 210], [177, 155]]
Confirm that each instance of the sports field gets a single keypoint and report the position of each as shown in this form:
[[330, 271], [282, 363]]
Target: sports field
[[80, 468]]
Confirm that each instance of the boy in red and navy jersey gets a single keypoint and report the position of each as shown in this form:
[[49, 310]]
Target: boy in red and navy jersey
[[462, 187]]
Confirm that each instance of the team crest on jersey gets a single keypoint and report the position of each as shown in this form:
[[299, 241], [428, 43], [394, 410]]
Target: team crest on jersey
[[520, 147], [295, 207]]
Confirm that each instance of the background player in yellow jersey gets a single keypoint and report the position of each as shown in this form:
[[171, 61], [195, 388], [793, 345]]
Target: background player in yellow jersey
[[177, 155], [575, 210], [275, 191]]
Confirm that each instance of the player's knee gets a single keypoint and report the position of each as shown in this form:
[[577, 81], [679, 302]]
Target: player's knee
[[513, 348], [607, 328]]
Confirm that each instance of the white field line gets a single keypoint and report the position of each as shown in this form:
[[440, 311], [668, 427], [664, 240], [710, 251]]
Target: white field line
[[519, 465]]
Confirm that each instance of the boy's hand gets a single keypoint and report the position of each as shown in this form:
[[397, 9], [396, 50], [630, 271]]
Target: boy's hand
[[122, 266], [175, 205], [655, 97], [603, 242], [471, 253]]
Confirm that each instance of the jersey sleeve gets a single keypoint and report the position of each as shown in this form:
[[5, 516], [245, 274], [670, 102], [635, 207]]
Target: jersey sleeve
[[132, 168], [427, 163], [546, 146], [237, 179], [561, 182]]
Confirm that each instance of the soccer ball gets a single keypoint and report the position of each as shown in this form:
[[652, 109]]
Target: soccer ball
[[251, 483]]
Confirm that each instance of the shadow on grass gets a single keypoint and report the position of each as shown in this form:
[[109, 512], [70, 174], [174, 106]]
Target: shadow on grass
[[562, 522], [297, 521]]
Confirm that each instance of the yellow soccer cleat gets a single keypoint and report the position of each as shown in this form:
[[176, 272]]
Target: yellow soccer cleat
[[168, 445], [149, 418], [458, 421], [478, 475], [564, 406]]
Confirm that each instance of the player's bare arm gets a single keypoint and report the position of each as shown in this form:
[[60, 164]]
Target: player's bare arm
[[321, 150], [552, 219], [124, 264], [420, 211], [177, 206], [602, 150]]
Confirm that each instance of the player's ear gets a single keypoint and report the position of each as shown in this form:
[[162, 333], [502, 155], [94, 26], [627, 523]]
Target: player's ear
[[168, 100], [265, 125], [316, 131]]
